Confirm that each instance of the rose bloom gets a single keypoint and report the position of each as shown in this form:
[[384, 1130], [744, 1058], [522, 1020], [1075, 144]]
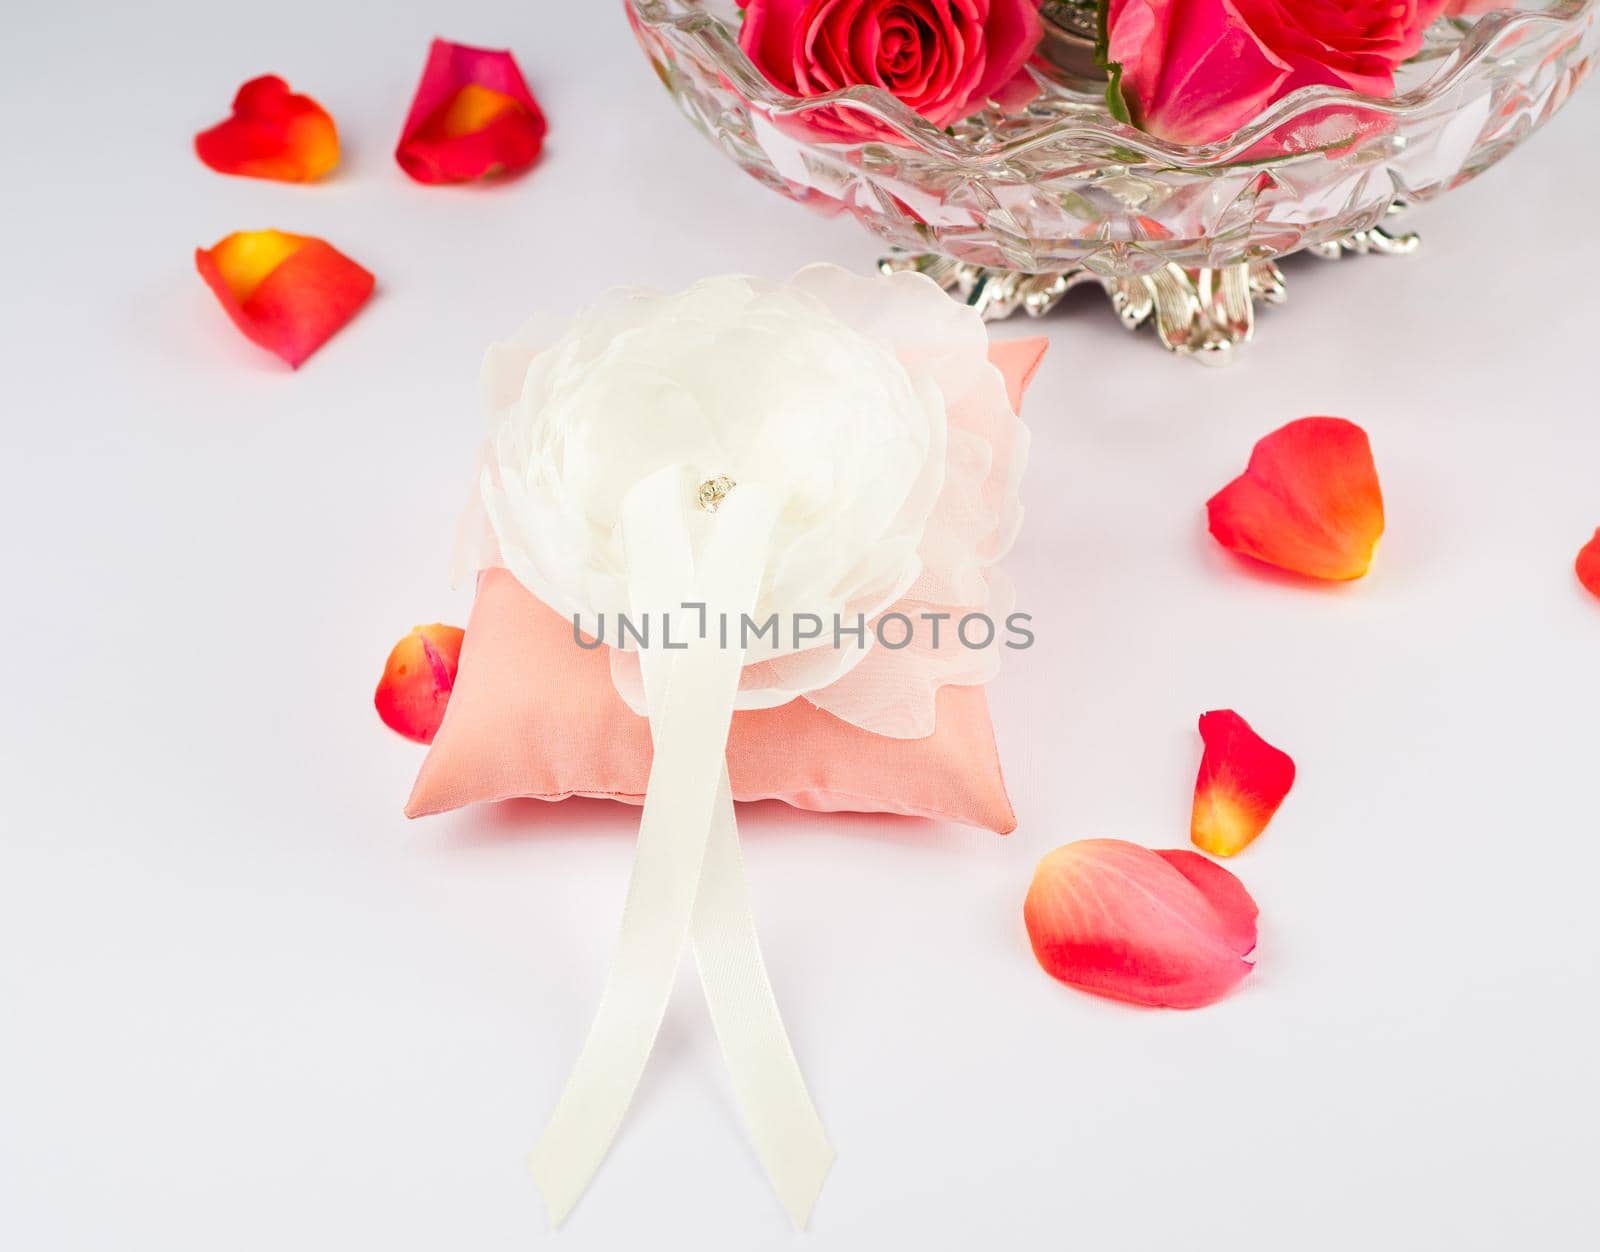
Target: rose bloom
[[1195, 71], [941, 58], [867, 405]]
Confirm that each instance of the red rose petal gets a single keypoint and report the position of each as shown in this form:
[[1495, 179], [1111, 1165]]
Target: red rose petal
[[417, 680], [473, 117], [289, 293], [1589, 565], [1309, 501], [1167, 928], [272, 134], [1243, 779]]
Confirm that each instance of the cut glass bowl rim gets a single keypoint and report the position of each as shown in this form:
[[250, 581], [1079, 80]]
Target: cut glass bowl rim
[[1118, 142]]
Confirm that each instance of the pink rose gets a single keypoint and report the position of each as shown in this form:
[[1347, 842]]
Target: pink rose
[[1195, 71], [942, 58]]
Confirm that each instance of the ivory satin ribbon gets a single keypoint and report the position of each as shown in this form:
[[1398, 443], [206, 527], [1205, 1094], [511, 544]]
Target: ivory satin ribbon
[[688, 876]]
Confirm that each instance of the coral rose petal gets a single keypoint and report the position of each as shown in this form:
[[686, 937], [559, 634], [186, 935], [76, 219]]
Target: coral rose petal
[[1233, 905], [273, 133], [1589, 564], [417, 681], [288, 293], [1243, 779], [1167, 929], [473, 117], [1309, 502]]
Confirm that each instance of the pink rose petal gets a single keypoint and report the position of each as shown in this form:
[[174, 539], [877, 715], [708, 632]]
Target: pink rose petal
[[1158, 928]]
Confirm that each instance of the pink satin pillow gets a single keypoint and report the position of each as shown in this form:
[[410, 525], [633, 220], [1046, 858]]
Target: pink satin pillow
[[533, 716]]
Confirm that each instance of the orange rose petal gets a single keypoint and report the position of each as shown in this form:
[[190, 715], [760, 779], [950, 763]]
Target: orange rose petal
[[417, 681], [1156, 928], [1309, 501], [1243, 779], [289, 293], [272, 134], [473, 117], [1589, 565]]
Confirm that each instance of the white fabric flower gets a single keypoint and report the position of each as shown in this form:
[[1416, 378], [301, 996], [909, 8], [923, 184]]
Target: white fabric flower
[[868, 404]]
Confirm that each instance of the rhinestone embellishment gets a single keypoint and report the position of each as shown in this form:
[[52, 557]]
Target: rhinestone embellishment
[[713, 492]]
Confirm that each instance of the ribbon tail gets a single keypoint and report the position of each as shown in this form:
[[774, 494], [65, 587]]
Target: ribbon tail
[[767, 1082], [650, 943], [689, 726]]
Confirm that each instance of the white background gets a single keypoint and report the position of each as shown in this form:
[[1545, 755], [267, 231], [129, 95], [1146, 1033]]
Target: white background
[[245, 1005]]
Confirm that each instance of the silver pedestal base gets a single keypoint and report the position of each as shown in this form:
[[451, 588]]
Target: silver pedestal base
[[1204, 313]]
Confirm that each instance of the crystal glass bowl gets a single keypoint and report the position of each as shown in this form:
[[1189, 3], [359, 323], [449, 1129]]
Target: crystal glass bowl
[[1058, 190]]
